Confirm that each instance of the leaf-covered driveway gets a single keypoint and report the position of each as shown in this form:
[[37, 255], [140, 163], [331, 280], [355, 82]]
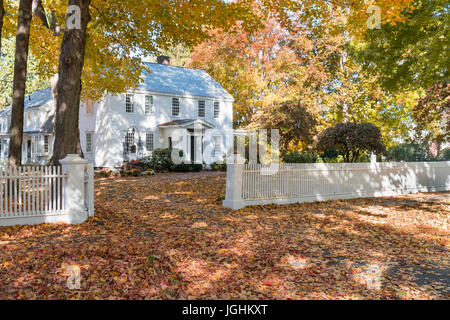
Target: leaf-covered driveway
[[167, 237]]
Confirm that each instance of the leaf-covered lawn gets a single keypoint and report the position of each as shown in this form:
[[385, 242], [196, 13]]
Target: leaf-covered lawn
[[167, 237]]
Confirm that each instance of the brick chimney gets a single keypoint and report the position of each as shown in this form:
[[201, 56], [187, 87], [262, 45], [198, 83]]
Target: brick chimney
[[163, 60]]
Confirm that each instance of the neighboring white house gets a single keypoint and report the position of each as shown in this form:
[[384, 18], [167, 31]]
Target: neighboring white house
[[173, 106]]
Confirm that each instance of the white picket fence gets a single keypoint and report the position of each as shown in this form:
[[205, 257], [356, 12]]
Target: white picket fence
[[251, 184], [26, 191], [31, 195]]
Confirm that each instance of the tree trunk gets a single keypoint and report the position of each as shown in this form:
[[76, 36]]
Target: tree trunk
[[68, 87], [20, 78], [2, 13]]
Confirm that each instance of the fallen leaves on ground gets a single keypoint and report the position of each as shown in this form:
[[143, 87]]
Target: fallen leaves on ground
[[167, 237]]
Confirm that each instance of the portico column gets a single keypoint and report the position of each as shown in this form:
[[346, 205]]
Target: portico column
[[185, 145], [198, 149]]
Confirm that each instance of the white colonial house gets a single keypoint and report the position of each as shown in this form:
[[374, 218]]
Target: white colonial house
[[173, 107]]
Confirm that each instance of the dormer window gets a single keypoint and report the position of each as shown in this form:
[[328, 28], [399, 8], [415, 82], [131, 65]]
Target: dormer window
[[129, 103], [201, 108]]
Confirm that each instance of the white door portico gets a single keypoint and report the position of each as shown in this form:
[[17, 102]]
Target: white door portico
[[187, 135]]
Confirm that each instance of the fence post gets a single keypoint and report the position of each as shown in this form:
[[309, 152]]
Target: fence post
[[73, 166], [89, 189], [233, 198]]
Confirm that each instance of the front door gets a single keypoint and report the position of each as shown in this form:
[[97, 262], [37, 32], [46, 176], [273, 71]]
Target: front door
[[28, 151]]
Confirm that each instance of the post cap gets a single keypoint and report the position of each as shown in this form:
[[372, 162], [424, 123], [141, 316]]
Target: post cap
[[73, 159]]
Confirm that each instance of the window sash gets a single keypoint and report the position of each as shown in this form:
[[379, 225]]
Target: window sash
[[129, 104], [37, 144], [149, 141], [88, 142], [175, 107], [201, 108], [130, 139], [46, 144], [216, 109], [217, 145], [149, 105]]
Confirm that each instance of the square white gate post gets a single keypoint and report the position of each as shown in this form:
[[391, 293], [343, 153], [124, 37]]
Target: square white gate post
[[233, 198], [74, 166]]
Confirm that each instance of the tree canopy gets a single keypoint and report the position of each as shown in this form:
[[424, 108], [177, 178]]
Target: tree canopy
[[268, 67], [121, 33], [412, 54]]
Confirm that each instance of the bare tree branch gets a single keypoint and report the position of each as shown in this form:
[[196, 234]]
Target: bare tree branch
[[39, 11]]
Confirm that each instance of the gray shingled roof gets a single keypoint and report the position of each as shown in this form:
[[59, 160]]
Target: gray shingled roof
[[36, 99], [182, 81]]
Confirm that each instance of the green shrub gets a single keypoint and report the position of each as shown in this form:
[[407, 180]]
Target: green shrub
[[408, 152], [146, 163], [445, 154], [188, 167], [219, 166], [338, 159], [161, 159], [296, 156]]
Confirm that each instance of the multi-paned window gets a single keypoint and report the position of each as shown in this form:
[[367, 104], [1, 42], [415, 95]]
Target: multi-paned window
[[129, 139], [129, 103], [216, 109], [217, 145], [5, 147], [46, 143], [175, 107], [36, 144], [88, 142], [149, 105], [201, 108], [149, 141]]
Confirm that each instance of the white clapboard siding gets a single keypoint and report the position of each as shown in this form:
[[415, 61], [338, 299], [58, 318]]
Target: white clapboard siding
[[31, 191], [250, 184]]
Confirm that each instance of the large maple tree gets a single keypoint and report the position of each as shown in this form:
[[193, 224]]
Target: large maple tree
[[299, 63]]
